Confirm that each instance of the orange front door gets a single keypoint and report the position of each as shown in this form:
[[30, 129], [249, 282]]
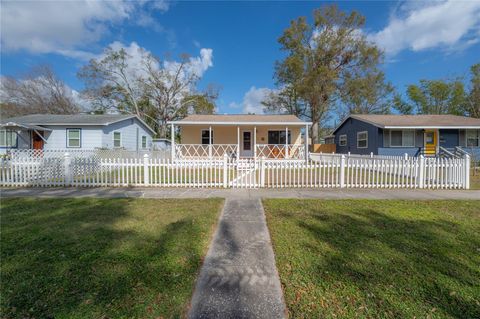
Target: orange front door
[[37, 141]]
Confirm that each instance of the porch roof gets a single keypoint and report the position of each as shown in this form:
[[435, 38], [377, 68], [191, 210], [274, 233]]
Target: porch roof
[[22, 127], [241, 119]]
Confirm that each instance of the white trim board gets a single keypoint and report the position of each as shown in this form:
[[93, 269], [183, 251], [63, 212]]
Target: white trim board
[[238, 123]]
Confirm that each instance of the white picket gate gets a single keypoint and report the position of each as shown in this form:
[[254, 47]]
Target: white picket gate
[[323, 171]]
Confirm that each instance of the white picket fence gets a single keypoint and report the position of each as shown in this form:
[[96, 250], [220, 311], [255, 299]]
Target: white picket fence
[[321, 171]]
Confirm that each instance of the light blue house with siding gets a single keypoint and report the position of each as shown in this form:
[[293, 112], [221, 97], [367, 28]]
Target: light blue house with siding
[[76, 132]]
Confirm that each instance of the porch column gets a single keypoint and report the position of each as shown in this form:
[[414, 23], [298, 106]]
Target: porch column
[[238, 143], [210, 141], [306, 142], [255, 142], [286, 142], [173, 141]]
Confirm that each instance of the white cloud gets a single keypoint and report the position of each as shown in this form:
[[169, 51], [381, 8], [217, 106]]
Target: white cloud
[[196, 65], [424, 25], [199, 65], [68, 27], [252, 100], [135, 57]]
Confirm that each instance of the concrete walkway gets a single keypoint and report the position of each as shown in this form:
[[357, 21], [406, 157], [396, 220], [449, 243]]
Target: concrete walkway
[[239, 278], [323, 193]]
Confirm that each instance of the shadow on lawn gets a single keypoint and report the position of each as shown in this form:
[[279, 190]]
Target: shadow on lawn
[[66, 258], [415, 258]]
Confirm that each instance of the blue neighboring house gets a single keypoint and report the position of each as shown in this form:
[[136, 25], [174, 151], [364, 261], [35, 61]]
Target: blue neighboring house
[[411, 134], [76, 132]]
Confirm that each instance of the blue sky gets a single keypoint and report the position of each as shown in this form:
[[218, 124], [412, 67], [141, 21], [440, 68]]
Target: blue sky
[[422, 39]]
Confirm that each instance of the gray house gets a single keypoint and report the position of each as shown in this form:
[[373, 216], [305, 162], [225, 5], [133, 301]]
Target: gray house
[[411, 134], [78, 131]]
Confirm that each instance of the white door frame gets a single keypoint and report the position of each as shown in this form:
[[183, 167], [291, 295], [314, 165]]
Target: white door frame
[[246, 153]]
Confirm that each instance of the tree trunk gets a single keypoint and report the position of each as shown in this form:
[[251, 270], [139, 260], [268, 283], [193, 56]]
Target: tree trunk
[[314, 133], [162, 129]]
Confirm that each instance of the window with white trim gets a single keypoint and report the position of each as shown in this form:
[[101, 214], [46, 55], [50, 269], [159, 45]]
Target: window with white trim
[[402, 138], [144, 141], [206, 137], [117, 139], [342, 140], [74, 138], [8, 138], [473, 138], [362, 139]]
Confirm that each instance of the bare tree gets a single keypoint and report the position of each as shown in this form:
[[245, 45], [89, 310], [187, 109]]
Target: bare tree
[[172, 94], [40, 91], [111, 83], [157, 91]]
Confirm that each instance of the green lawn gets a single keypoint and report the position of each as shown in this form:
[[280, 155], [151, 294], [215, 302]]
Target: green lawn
[[102, 258], [377, 259], [475, 180]]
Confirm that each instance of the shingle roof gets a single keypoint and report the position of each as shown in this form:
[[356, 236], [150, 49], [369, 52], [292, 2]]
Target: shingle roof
[[430, 121], [77, 119], [240, 119]]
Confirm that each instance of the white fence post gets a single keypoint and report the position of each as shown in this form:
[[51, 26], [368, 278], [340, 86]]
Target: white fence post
[[421, 172], [342, 171], [68, 172], [262, 171], [146, 176], [225, 170], [467, 171]]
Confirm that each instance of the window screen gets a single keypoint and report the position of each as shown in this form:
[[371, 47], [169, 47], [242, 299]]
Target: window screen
[[117, 139], [342, 140], [278, 137], [206, 137], [73, 137], [362, 139]]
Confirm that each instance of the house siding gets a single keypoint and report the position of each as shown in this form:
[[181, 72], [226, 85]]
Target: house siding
[[192, 134], [91, 137], [130, 139], [398, 151], [350, 128], [449, 138], [379, 143]]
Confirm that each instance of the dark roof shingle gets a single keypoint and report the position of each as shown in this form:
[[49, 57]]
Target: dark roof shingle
[[78, 119], [422, 120]]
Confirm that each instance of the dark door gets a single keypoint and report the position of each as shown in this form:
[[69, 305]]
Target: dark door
[[37, 141], [247, 141]]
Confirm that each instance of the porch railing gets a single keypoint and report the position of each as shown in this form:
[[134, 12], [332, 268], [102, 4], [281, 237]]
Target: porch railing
[[192, 151], [280, 151]]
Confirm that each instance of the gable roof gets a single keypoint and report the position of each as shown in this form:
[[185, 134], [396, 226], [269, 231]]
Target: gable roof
[[233, 119], [71, 119], [421, 121]]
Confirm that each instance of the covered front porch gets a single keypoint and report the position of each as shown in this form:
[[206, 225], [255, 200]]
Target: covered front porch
[[239, 139], [15, 136]]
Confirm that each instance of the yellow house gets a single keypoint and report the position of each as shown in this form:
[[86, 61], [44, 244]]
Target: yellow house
[[240, 136]]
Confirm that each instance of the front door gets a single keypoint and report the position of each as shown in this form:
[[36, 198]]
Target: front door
[[247, 145], [431, 138], [37, 141]]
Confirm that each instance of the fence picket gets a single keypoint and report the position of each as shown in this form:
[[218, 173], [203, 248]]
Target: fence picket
[[323, 171]]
